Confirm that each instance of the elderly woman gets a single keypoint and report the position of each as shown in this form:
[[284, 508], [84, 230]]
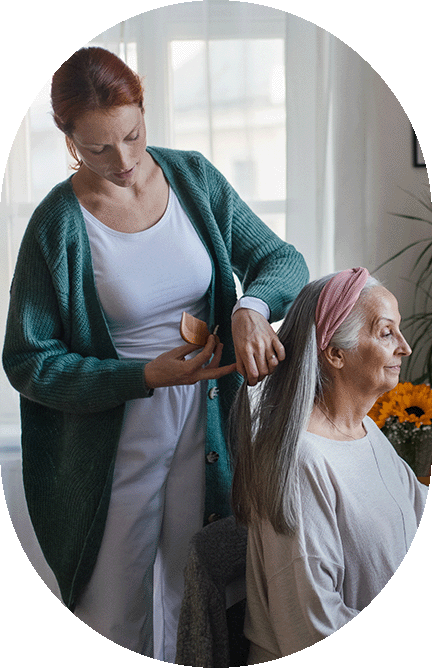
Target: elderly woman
[[331, 508], [124, 454]]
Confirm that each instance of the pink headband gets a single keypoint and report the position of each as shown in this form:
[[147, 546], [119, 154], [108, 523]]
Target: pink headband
[[336, 301]]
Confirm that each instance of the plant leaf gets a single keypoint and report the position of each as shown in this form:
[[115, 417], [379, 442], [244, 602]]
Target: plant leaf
[[393, 257], [406, 216], [427, 205]]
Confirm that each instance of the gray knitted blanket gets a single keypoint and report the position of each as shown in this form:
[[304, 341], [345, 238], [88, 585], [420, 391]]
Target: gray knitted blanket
[[217, 556]]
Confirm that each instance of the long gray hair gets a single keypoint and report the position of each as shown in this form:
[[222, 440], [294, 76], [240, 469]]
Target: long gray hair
[[265, 429]]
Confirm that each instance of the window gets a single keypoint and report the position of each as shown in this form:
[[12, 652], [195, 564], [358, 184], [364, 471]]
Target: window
[[228, 101]]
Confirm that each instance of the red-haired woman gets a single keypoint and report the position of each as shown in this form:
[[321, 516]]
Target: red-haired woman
[[123, 426]]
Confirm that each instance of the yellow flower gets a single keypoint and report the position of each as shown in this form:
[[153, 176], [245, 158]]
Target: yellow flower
[[407, 402]]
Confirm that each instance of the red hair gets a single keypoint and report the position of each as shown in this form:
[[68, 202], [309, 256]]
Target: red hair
[[91, 79]]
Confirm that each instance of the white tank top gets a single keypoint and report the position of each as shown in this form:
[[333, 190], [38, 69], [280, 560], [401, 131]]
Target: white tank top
[[147, 279]]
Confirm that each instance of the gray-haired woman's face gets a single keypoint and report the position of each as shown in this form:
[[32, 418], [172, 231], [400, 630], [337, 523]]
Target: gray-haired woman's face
[[375, 363]]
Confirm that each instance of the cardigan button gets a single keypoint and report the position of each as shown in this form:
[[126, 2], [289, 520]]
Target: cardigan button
[[214, 517], [213, 392], [212, 457]]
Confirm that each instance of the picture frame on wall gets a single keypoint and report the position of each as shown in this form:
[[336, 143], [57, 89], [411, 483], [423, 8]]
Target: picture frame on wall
[[418, 159]]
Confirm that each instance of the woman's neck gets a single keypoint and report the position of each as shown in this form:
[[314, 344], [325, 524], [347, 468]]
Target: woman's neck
[[339, 416]]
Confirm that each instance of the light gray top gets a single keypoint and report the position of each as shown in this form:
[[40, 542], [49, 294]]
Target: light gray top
[[359, 506]]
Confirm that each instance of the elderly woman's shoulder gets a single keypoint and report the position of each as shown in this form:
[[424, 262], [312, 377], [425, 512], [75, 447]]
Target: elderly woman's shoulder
[[311, 450]]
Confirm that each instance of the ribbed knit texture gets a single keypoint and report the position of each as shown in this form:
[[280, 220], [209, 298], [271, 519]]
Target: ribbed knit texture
[[336, 302], [59, 355], [216, 558]]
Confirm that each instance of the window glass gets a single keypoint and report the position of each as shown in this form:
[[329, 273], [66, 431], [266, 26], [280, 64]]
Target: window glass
[[228, 101]]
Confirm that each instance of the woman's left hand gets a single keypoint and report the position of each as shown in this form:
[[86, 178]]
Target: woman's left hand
[[257, 347]]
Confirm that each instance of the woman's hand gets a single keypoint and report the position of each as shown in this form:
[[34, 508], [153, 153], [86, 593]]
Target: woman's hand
[[172, 368], [258, 349]]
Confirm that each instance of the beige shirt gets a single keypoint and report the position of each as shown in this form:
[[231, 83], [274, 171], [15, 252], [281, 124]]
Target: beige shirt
[[359, 506]]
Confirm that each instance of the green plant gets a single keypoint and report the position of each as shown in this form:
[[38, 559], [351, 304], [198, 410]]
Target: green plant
[[419, 324]]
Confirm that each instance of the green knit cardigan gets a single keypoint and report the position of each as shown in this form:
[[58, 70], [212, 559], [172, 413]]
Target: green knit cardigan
[[59, 355]]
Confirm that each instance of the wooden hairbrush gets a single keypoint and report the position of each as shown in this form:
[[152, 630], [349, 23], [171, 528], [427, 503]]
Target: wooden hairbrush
[[193, 330]]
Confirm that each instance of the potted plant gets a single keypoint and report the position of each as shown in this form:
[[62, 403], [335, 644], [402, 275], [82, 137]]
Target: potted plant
[[419, 324], [405, 413]]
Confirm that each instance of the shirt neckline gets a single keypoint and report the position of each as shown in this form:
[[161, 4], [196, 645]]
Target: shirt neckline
[[355, 441], [88, 216]]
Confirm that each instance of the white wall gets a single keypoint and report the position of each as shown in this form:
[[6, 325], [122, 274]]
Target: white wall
[[392, 173]]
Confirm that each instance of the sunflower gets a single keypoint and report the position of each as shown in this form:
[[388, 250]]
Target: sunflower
[[407, 402]]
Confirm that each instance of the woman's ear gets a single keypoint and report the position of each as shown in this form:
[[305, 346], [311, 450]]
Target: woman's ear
[[72, 150], [334, 357]]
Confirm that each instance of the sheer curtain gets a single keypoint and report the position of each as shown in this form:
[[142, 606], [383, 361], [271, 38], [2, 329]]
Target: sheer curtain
[[331, 109], [279, 105]]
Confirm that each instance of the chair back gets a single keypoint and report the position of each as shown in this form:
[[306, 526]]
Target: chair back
[[209, 636]]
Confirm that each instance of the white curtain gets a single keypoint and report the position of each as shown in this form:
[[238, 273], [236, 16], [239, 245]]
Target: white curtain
[[279, 105], [331, 107]]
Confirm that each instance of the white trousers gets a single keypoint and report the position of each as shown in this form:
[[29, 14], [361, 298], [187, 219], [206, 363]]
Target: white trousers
[[157, 504]]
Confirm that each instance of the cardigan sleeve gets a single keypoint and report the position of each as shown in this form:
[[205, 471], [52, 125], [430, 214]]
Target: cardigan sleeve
[[51, 355], [268, 267]]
